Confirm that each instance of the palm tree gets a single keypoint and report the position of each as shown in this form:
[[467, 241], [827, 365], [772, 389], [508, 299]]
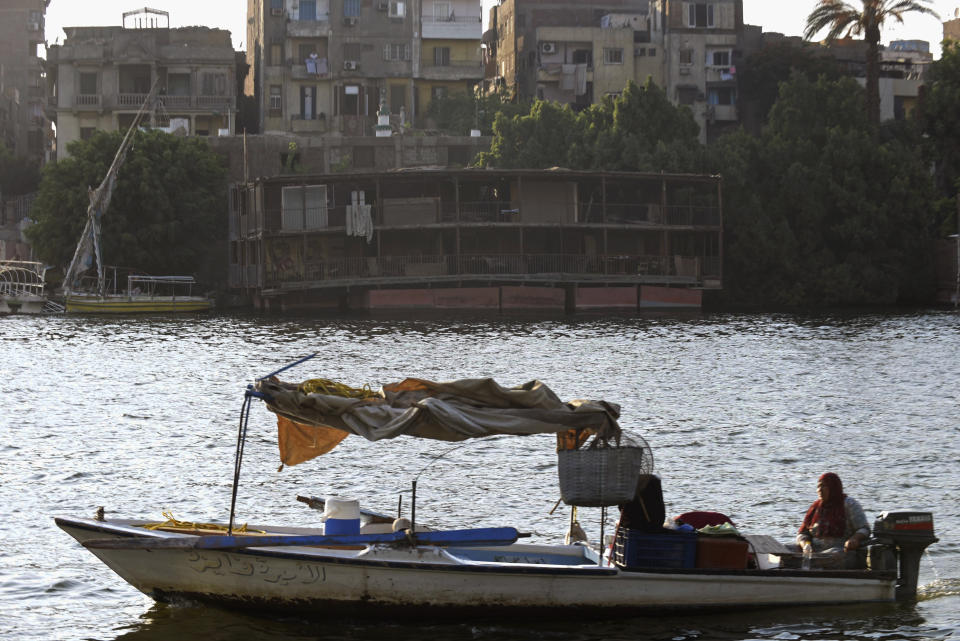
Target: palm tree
[[843, 18]]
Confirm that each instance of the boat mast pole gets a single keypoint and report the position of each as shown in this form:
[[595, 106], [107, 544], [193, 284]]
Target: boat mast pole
[[95, 208]]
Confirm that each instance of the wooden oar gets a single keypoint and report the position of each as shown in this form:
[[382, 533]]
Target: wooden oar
[[472, 538]]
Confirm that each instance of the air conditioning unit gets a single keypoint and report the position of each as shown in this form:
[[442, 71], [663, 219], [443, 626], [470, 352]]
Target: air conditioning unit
[[276, 11], [548, 47], [350, 22], [350, 65]]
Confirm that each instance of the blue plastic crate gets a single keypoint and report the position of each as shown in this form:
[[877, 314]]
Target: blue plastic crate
[[633, 549]]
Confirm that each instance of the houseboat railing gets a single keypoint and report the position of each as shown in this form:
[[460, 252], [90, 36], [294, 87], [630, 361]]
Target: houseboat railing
[[689, 269]]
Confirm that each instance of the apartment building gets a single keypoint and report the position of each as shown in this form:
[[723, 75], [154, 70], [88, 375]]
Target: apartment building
[[702, 44], [570, 52], [102, 75], [329, 67], [24, 127]]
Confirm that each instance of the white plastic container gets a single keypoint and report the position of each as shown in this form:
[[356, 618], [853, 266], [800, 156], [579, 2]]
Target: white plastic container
[[341, 516]]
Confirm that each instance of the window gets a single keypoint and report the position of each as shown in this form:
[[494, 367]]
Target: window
[[612, 56], [700, 15], [722, 96], [686, 56], [396, 51], [398, 98], [276, 7], [88, 83], [303, 207], [652, 52], [437, 93], [397, 9], [276, 54], [441, 56], [276, 100], [86, 133], [214, 84], [582, 57], [441, 11], [308, 9], [308, 103], [178, 84], [718, 58], [686, 95], [351, 8]]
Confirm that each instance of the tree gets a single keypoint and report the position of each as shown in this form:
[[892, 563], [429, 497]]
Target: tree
[[462, 111], [939, 120], [639, 130], [817, 212], [760, 75], [842, 18], [167, 215]]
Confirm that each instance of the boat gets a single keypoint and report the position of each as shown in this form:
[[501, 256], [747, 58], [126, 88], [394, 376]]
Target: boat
[[23, 288], [143, 293], [365, 563]]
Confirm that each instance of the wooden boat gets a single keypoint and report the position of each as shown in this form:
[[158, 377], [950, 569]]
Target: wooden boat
[[143, 293], [400, 568], [156, 294]]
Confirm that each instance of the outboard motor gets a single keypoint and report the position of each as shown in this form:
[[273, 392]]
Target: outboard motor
[[905, 535]]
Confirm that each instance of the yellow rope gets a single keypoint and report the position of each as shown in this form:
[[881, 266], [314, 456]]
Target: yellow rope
[[171, 522], [333, 388]]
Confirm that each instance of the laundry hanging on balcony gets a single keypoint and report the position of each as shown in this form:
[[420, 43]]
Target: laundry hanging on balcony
[[359, 221]]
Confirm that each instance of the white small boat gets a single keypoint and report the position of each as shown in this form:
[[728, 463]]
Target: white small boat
[[23, 289], [398, 569]]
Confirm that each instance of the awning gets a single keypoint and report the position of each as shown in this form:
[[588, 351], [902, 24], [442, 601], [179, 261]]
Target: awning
[[451, 411]]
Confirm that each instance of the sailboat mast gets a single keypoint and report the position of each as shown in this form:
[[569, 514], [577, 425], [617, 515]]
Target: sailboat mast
[[100, 199]]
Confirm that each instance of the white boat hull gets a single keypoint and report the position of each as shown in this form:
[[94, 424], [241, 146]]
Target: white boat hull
[[22, 304], [516, 578]]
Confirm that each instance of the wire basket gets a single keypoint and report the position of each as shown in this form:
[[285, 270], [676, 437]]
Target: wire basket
[[602, 476]]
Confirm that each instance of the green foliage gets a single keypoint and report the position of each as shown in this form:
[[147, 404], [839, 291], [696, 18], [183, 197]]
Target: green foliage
[[18, 176], [939, 120], [759, 76], [638, 130], [817, 212], [457, 113], [168, 211]]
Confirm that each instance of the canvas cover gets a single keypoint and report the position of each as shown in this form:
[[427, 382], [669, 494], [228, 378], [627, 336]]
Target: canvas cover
[[310, 424]]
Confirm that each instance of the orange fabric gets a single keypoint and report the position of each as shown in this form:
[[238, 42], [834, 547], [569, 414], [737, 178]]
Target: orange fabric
[[299, 442]]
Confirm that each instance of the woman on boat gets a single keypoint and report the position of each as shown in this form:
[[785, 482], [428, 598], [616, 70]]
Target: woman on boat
[[835, 523]]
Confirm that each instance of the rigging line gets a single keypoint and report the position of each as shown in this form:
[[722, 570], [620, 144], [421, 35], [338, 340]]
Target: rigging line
[[441, 455], [238, 457]]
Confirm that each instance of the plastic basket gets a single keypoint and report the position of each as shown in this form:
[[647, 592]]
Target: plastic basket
[[633, 549], [597, 477]]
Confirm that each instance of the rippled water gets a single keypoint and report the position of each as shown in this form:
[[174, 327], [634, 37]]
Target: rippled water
[[139, 415]]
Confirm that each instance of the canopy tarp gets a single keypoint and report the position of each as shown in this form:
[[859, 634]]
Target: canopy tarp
[[310, 424]]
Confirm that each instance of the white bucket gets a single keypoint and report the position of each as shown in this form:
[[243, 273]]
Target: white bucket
[[337, 508]]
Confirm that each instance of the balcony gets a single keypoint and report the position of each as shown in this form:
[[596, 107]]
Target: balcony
[[455, 70], [318, 68], [452, 27], [528, 267], [721, 74], [309, 28], [87, 101]]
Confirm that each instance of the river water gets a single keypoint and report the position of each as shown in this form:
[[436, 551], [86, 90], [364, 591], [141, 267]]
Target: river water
[[743, 412]]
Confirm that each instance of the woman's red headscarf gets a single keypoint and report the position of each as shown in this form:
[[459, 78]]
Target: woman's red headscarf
[[830, 516]]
